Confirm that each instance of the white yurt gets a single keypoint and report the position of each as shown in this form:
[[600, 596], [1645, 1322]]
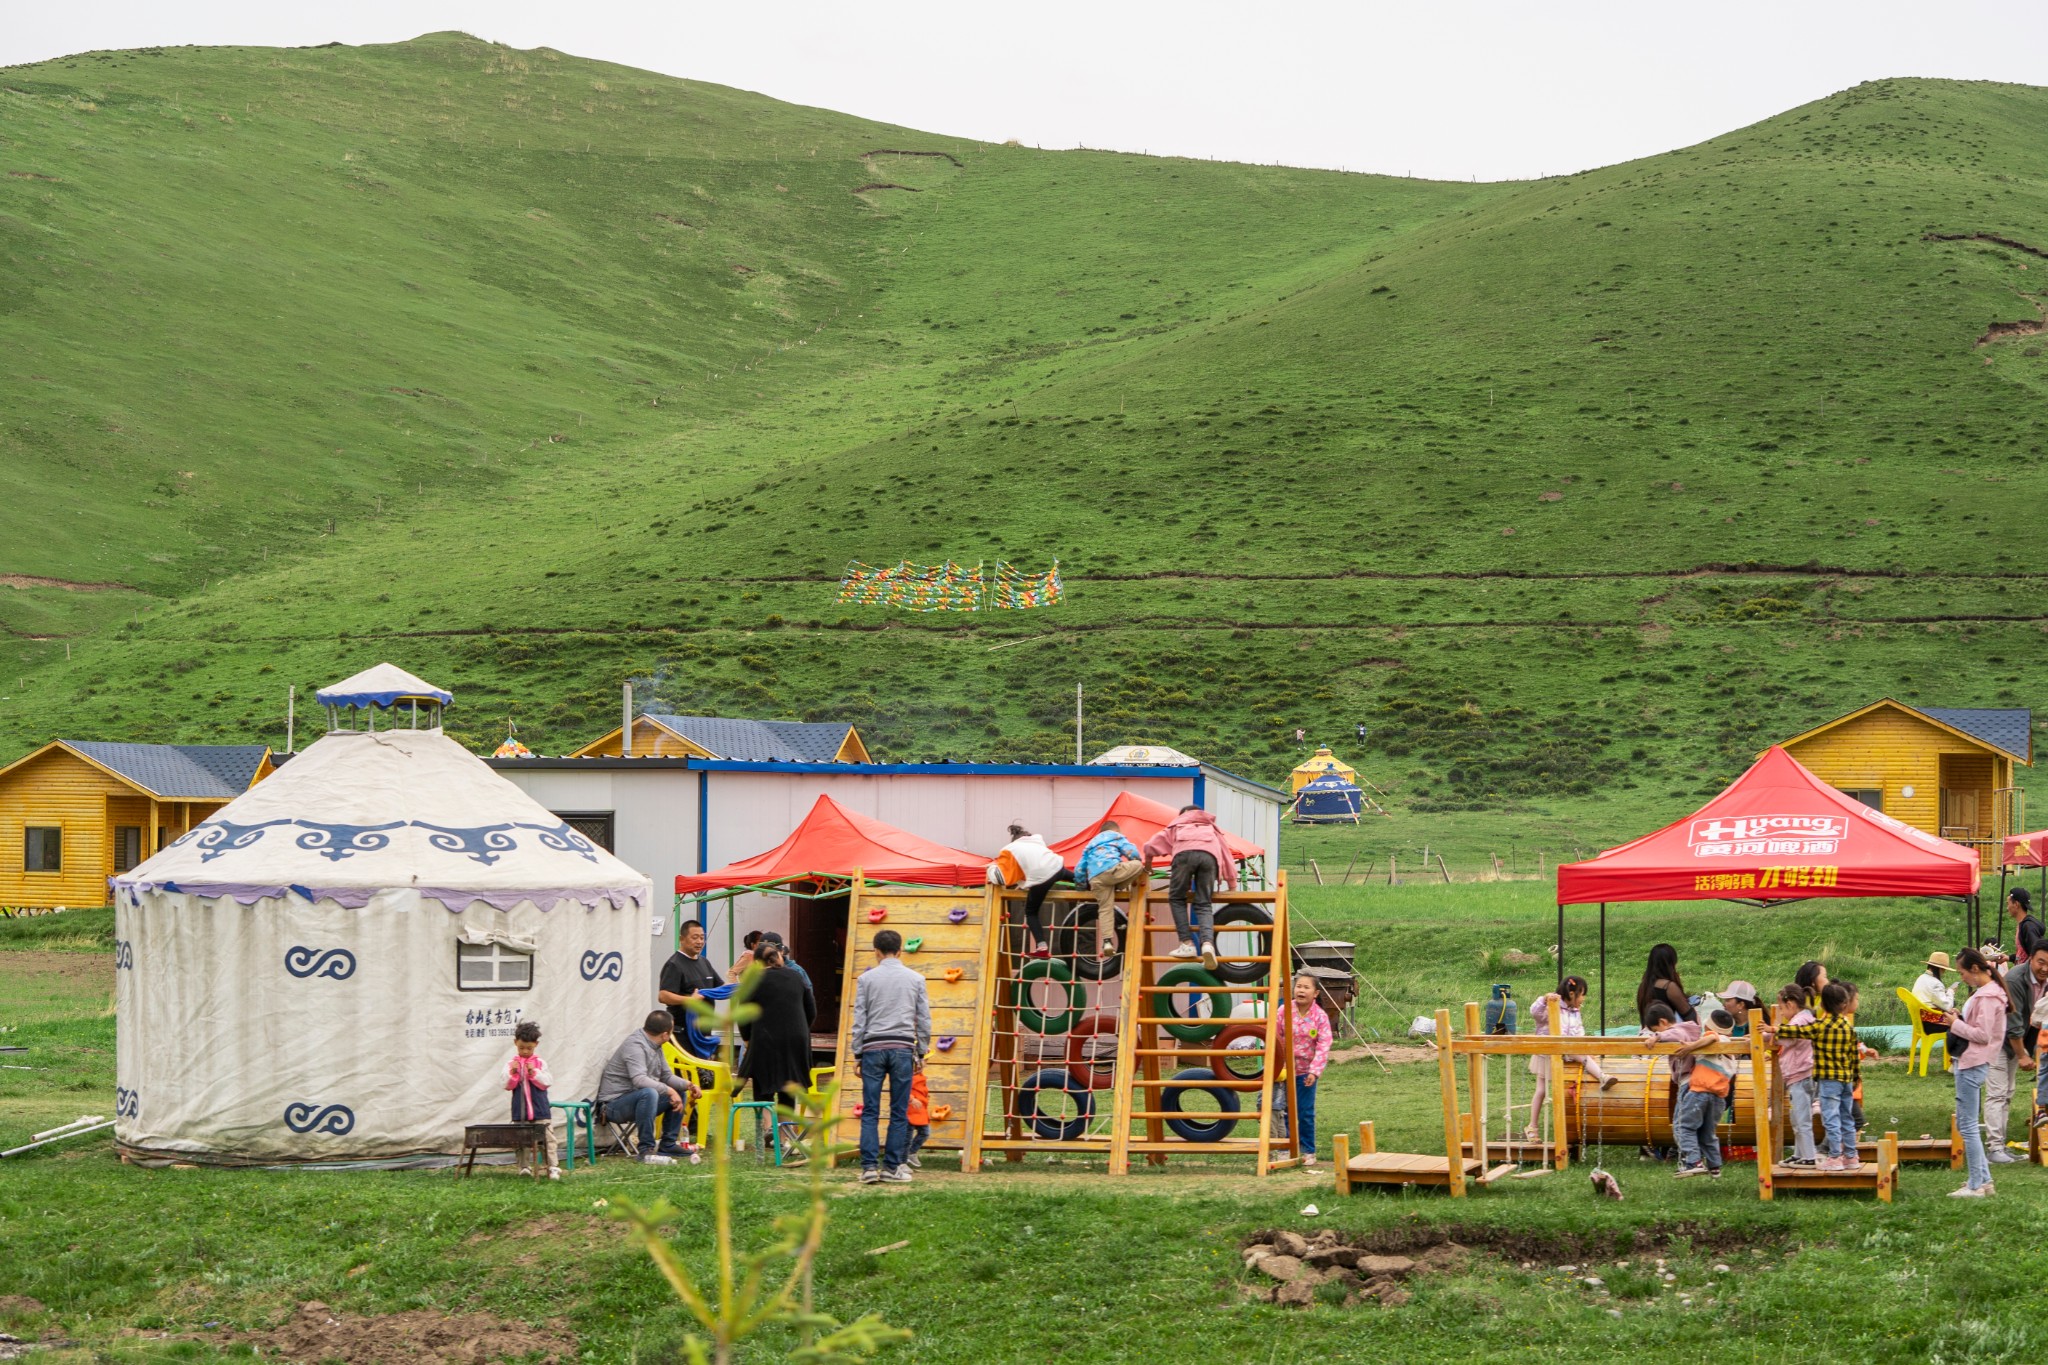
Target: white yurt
[[330, 969]]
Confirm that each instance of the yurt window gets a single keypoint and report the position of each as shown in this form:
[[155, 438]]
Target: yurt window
[[42, 848], [492, 967]]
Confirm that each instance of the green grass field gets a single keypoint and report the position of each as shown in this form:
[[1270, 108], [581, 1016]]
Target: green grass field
[[1038, 1262], [533, 374]]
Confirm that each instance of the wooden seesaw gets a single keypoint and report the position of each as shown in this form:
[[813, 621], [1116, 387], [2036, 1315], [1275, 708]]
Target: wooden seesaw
[[1636, 1112]]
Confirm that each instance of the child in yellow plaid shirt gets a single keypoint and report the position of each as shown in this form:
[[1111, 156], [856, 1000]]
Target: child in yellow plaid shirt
[[1838, 1066]]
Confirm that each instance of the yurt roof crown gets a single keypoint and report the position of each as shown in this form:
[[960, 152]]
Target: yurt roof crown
[[413, 703]]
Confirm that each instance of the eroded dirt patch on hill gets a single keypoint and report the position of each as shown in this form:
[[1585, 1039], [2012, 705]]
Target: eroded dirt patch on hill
[[420, 1337], [27, 580]]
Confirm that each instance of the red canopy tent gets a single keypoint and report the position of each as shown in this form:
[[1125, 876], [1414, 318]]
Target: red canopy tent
[[832, 841], [1140, 818], [2024, 850], [1778, 833]]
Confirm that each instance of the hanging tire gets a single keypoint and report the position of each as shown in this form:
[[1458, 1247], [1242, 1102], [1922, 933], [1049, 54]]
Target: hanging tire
[[1200, 1130], [1029, 1015], [1049, 1126], [1244, 973], [1247, 1071], [1067, 945], [1097, 1073], [1200, 1032]]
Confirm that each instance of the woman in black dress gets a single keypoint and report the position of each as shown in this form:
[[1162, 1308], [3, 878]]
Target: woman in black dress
[[1661, 985], [779, 1041]]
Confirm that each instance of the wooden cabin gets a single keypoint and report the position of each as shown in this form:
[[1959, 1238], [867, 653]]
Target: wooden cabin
[[1945, 770], [75, 812], [746, 741]]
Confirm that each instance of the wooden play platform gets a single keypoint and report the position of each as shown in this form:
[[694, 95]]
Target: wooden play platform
[[1370, 1166], [1640, 1114]]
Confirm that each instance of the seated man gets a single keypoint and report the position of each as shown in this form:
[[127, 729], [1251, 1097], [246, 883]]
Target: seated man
[[1937, 998], [637, 1084]]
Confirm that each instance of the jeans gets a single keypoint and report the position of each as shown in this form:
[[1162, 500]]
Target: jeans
[[1193, 877], [1969, 1095], [1837, 1117], [1305, 1113], [639, 1108], [898, 1065], [920, 1133], [1998, 1090], [1034, 903], [1799, 1098], [1699, 1115]]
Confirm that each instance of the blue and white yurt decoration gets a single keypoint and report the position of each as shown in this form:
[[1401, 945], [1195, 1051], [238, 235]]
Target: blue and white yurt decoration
[[330, 968], [1328, 800]]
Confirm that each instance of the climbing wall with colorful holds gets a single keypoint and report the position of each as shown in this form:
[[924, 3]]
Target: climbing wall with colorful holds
[[947, 941]]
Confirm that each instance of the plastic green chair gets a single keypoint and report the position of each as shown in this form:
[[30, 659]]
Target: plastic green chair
[[774, 1121]]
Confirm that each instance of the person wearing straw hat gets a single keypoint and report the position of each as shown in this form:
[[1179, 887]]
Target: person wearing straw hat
[[1937, 998]]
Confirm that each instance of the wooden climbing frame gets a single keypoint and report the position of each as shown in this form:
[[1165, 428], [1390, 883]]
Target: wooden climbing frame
[[1136, 1086]]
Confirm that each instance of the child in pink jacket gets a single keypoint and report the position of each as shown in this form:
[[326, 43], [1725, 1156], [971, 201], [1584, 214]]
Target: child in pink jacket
[[1311, 1055], [1197, 854]]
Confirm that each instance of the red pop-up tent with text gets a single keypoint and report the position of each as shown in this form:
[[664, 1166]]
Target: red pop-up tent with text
[[1778, 833]]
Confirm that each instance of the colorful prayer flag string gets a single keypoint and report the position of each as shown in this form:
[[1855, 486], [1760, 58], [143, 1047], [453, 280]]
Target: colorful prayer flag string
[[949, 587]]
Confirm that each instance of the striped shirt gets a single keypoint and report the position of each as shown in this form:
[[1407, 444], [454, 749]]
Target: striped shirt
[[1835, 1057]]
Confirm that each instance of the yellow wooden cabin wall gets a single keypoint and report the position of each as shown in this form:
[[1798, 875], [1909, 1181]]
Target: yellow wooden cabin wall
[[649, 741], [57, 787], [1890, 749]]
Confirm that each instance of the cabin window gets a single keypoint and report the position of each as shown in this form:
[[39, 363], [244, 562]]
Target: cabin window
[[492, 967], [597, 826], [127, 846], [42, 848], [1872, 797]]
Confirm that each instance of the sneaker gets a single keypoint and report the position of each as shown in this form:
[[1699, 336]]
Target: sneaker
[[1105, 946], [1038, 950], [671, 1148], [899, 1176], [1183, 950], [869, 1175], [1209, 956], [2000, 1157], [1698, 1168], [1713, 1172], [656, 1159], [1803, 1162], [1849, 1163], [1308, 1158], [914, 1162], [1966, 1192]]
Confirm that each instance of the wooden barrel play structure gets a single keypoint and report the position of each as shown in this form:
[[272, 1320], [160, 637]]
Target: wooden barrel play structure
[[1636, 1110]]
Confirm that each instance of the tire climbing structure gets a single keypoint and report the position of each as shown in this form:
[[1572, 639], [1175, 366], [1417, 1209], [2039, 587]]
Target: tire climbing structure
[[1134, 1052]]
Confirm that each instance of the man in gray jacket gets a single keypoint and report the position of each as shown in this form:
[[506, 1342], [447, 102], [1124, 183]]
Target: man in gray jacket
[[637, 1084], [2025, 983], [892, 1030]]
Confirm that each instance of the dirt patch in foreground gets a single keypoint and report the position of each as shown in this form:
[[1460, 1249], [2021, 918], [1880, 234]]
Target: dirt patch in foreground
[[317, 1333]]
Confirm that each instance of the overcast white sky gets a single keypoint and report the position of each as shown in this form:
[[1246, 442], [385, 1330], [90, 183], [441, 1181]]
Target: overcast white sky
[[1446, 88]]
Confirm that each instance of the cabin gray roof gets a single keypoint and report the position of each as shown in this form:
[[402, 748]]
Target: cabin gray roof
[[760, 741], [2010, 729], [218, 772]]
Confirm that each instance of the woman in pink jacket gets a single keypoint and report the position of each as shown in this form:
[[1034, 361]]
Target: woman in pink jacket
[[1982, 1026], [1197, 854]]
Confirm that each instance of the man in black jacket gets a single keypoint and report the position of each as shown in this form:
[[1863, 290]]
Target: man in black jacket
[[2025, 983], [2028, 932]]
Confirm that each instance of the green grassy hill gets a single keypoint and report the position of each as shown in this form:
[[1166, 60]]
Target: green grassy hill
[[533, 373]]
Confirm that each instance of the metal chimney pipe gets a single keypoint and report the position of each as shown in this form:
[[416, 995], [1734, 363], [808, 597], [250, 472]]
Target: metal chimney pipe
[[626, 726]]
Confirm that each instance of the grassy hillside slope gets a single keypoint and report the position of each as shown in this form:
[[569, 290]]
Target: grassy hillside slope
[[1570, 488]]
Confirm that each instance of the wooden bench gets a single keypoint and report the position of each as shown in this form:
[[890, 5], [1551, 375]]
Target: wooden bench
[[525, 1140]]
